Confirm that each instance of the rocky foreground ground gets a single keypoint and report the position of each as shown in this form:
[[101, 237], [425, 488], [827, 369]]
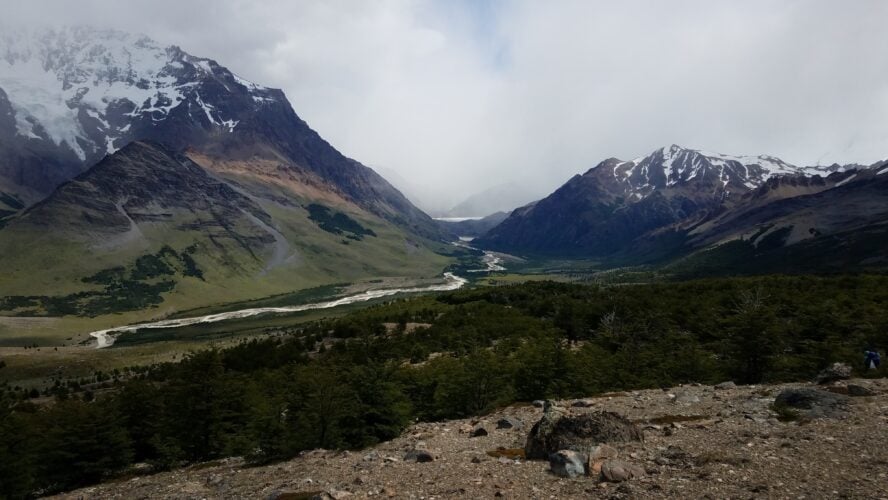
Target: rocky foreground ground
[[699, 442]]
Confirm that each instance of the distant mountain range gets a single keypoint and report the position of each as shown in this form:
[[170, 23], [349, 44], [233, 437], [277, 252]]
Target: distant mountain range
[[700, 210], [500, 198], [114, 148]]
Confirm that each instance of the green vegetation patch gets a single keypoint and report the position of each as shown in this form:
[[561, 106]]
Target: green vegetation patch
[[123, 289], [337, 222]]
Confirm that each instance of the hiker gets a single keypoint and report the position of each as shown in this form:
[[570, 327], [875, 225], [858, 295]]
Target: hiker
[[871, 359]]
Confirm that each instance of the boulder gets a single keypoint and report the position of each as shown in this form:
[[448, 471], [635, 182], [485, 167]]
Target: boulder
[[858, 391], [568, 463], [725, 386], [597, 456], [835, 371], [539, 403], [617, 471], [557, 431], [813, 403], [418, 456], [508, 423]]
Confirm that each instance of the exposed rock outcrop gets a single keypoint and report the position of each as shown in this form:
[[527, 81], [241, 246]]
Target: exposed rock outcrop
[[558, 430]]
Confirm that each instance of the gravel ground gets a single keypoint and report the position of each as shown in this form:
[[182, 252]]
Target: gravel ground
[[700, 442]]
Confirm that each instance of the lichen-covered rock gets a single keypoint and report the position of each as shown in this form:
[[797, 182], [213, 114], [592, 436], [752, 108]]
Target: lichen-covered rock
[[835, 371], [813, 403], [559, 431]]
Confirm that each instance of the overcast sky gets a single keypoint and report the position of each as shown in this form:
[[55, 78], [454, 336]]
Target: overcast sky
[[451, 97]]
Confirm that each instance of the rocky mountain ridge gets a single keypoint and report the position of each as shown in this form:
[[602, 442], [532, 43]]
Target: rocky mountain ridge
[[116, 150], [73, 95], [676, 201]]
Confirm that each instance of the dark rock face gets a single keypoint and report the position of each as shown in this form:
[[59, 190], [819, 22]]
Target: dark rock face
[[558, 431], [813, 403], [145, 183]]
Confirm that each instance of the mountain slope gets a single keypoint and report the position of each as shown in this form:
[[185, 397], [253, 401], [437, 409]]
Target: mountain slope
[[133, 175], [836, 226], [152, 226], [77, 94], [675, 202], [600, 212]]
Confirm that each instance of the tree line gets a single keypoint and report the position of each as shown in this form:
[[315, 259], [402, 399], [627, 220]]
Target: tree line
[[358, 380]]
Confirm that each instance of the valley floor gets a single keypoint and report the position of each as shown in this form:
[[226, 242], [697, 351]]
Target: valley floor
[[699, 442]]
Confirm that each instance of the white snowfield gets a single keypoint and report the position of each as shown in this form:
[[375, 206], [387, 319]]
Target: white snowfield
[[105, 338], [50, 76]]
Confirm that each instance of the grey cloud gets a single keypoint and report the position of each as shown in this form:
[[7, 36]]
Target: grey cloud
[[458, 96]]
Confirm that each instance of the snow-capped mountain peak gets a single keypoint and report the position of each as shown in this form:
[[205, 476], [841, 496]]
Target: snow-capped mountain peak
[[675, 166], [88, 90]]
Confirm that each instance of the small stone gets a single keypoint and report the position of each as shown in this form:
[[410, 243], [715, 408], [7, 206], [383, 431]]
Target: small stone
[[580, 404], [476, 460], [568, 463], [419, 456], [616, 471], [478, 432], [685, 397], [508, 423], [725, 386]]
